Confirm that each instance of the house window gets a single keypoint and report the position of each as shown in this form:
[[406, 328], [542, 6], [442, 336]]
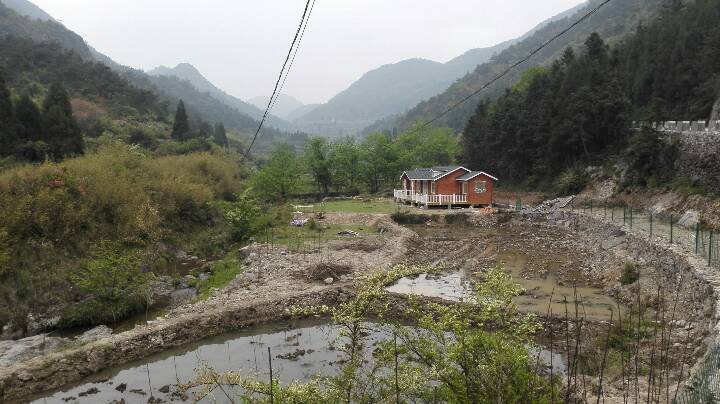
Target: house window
[[464, 188], [480, 187], [433, 189]]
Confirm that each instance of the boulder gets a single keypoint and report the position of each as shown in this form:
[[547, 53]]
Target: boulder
[[95, 334], [690, 219], [26, 348], [329, 281]]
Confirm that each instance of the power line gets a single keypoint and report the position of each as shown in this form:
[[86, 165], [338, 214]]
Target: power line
[[297, 48], [516, 64], [282, 72]]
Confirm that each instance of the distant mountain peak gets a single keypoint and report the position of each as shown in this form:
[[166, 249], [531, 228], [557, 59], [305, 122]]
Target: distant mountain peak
[[28, 9]]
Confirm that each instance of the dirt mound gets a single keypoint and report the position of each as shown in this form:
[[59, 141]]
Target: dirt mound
[[365, 245], [324, 270]]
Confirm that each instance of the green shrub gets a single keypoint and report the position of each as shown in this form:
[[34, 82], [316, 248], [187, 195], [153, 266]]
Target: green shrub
[[630, 274], [112, 286], [223, 273], [405, 217], [570, 182]]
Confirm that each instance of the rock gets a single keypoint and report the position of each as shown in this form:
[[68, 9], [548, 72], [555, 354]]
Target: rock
[[165, 389], [26, 348], [121, 387], [690, 219], [95, 334], [139, 391], [155, 400], [90, 391], [120, 401], [71, 398], [188, 278], [348, 232], [612, 242], [329, 281]]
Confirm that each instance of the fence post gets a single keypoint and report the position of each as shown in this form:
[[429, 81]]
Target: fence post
[[671, 229], [624, 215], [631, 212], [612, 213], [591, 206], [572, 205], [697, 238], [651, 223], [710, 249]]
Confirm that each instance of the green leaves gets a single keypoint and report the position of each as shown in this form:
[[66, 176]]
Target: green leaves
[[112, 283]]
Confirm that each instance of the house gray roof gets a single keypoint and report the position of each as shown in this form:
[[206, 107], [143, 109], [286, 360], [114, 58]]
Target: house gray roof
[[430, 173], [473, 174]]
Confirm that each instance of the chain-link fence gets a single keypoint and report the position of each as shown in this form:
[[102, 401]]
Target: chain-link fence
[[686, 232], [693, 236], [704, 386]]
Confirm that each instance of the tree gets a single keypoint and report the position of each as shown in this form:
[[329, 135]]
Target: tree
[[7, 120], [220, 135], [279, 177], [318, 162], [61, 131], [181, 126], [31, 145], [378, 161], [345, 165], [112, 285]]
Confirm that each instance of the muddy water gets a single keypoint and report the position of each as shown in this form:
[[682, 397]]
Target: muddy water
[[543, 290], [244, 351]]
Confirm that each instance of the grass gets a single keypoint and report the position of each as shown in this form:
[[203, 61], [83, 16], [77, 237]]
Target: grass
[[290, 236], [381, 205], [224, 272]]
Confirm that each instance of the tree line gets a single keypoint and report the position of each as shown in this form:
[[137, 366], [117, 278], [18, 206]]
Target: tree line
[[349, 165], [576, 112], [33, 133]]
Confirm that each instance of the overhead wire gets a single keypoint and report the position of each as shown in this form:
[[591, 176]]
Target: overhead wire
[[282, 73], [297, 48], [511, 67]]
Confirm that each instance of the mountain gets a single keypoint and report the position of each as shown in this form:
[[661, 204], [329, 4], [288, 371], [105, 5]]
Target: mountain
[[304, 110], [18, 24], [285, 105], [188, 72], [612, 22], [390, 89], [28, 9]]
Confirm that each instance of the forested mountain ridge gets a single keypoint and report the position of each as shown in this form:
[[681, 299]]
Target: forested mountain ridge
[[388, 90], [285, 107], [612, 22], [188, 72], [28, 9], [14, 24], [577, 112]]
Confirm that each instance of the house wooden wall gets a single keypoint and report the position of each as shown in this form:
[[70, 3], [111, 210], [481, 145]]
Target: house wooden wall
[[481, 199]]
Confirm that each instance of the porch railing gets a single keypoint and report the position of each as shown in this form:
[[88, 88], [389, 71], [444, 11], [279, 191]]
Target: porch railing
[[429, 199]]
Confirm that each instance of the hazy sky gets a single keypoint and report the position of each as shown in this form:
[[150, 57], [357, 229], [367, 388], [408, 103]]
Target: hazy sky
[[240, 44]]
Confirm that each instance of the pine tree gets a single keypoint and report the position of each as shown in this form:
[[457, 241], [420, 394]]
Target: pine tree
[[61, 131], [29, 130], [7, 121], [220, 135], [181, 127]]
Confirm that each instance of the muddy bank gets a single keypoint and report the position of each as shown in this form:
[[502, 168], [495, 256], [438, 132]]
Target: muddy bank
[[270, 284]]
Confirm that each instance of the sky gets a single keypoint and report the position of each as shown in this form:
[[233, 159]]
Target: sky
[[240, 45]]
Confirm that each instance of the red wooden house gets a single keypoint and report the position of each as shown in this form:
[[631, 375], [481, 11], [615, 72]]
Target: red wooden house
[[446, 185]]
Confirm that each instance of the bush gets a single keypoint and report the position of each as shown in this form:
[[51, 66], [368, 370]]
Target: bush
[[630, 274], [112, 286], [570, 182], [404, 217]]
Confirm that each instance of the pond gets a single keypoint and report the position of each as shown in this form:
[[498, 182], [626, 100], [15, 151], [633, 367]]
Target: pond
[[300, 350]]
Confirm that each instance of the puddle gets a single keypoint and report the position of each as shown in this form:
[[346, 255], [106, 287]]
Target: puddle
[[452, 286], [244, 351]]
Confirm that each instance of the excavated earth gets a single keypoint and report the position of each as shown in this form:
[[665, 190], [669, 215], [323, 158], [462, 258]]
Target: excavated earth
[[567, 249]]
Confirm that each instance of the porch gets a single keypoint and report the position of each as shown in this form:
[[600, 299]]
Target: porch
[[407, 195]]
